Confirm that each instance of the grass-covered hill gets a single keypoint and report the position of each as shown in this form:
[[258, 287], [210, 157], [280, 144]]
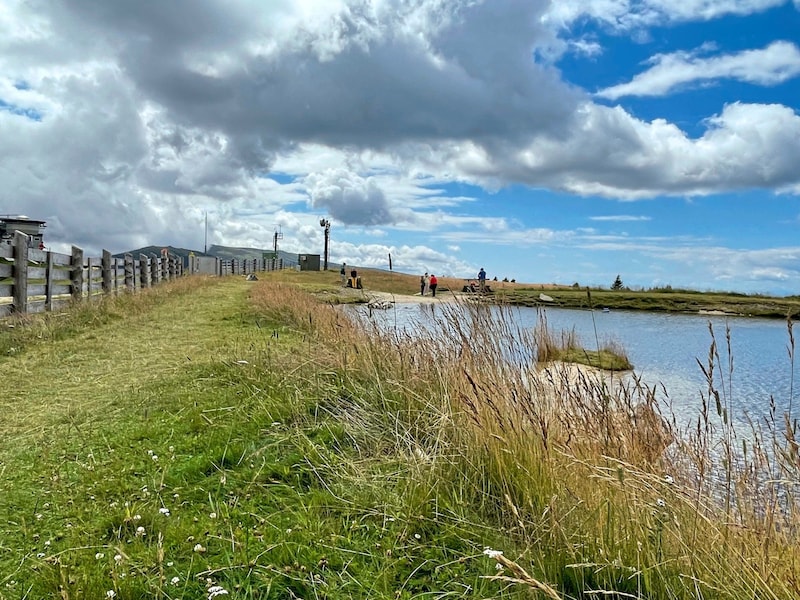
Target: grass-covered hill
[[218, 437]]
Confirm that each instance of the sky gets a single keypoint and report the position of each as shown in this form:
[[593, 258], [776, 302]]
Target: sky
[[564, 142]]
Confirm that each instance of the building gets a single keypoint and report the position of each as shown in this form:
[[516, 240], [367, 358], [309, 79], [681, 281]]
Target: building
[[30, 227]]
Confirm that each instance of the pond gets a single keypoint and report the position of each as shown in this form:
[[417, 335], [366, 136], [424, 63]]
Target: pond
[[664, 349]]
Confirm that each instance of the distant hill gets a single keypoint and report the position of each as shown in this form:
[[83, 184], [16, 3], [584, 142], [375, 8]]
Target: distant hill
[[223, 252]]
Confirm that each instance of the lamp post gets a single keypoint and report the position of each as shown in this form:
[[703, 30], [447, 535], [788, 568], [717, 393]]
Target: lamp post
[[327, 225]]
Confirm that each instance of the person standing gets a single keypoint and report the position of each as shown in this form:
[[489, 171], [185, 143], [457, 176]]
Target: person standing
[[343, 273], [482, 279], [433, 283], [422, 284]]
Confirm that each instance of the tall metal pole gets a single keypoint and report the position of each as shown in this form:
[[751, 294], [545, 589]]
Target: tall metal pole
[[327, 225], [205, 240]]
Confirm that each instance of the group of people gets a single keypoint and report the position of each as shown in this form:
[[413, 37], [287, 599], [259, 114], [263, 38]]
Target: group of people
[[428, 283]]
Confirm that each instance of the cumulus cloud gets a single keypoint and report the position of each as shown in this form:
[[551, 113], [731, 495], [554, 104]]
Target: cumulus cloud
[[769, 66], [131, 119]]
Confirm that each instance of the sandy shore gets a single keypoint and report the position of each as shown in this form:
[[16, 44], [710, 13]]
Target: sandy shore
[[415, 298]]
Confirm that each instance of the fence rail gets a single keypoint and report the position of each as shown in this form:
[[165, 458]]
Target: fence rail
[[33, 281]]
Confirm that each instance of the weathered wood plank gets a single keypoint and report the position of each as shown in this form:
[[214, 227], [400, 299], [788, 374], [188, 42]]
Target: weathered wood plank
[[37, 273], [36, 290], [20, 272], [5, 310], [62, 260], [77, 272], [5, 270]]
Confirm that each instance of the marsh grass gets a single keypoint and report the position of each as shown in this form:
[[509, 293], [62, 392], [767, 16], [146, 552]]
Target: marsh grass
[[253, 438]]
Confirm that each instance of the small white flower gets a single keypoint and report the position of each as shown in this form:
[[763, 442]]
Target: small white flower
[[99, 556], [171, 448], [417, 536], [175, 580], [155, 457], [164, 511], [498, 566], [660, 503], [40, 555], [216, 590], [212, 515], [669, 479], [170, 563], [118, 558], [199, 548], [492, 553], [47, 543], [150, 452], [111, 594], [140, 531], [39, 516], [137, 517]]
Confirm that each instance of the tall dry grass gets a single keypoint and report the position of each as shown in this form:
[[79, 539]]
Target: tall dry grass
[[594, 491]]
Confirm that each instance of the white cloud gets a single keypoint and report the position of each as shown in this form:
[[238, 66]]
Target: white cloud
[[769, 66], [635, 14], [620, 218]]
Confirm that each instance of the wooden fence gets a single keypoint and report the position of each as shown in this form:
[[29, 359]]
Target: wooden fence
[[36, 280], [33, 280]]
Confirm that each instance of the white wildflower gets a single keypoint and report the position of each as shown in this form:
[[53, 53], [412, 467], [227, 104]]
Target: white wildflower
[[164, 511], [216, 590], [99, 555], [199, 548], [212, 515], [492, 553], [150, 452], [175, 580], [137, 517], [140, 531], [118, 558], [155, 457], [111, 594]]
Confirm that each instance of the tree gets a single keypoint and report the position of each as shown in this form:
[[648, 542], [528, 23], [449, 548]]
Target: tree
[[617, 285]]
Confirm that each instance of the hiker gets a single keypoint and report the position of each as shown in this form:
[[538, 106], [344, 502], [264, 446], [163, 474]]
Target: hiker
[[422, 285], [343, 273], [482, 279], [433, 283]]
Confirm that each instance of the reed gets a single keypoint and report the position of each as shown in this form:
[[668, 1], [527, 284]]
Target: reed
[[597, 491]]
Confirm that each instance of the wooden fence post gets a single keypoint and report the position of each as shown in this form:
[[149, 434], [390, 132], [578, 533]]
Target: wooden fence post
[[106, 266], [48, 286], [76, 273], [129, 278], [154, 272], [144, 269], [20, 298], [89, 269]]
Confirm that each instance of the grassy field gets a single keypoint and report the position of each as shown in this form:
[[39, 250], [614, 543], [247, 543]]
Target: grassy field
[[216, 437]]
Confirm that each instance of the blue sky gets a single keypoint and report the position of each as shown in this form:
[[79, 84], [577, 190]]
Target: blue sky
[[552, 142]]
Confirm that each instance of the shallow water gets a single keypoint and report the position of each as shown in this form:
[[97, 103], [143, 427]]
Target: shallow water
[[664, 349]]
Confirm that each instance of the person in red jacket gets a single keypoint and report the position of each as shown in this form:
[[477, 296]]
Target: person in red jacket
[[432, 283]]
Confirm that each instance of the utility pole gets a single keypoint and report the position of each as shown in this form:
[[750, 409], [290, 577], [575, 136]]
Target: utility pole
[[205, 240], [327, 225]]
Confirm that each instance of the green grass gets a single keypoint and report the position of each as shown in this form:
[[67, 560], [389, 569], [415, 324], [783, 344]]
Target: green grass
[[218, 432], [190, 401]]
